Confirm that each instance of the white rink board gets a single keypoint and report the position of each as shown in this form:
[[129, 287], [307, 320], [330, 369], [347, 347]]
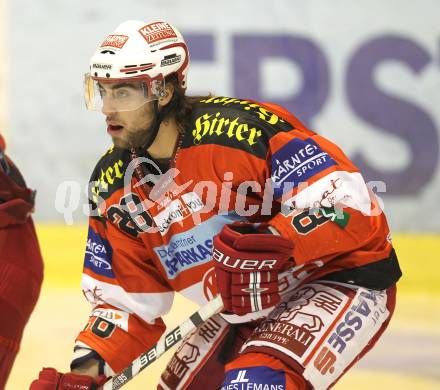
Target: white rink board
[[386, 116]]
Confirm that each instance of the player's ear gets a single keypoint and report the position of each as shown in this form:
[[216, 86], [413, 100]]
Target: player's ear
[[167, 95]]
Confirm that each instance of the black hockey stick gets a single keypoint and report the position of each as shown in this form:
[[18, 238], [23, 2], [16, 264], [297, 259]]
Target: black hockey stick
[[167, 341]]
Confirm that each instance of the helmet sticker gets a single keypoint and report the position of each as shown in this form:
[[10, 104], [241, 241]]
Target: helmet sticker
[[170, 60], [138, 49], [157, 31], [102, 66], [116, 41]]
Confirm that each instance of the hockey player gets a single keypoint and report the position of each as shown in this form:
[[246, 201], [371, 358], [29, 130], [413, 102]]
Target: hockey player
[[250, 205], [21, 265]]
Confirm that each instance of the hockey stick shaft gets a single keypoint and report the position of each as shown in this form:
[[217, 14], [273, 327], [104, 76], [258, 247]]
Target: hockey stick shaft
[[167, 341]]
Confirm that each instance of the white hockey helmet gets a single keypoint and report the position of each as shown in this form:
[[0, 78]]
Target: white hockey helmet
[[136, 52]]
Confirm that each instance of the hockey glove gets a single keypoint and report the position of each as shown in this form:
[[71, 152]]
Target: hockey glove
[[51, 379], [247, 263]]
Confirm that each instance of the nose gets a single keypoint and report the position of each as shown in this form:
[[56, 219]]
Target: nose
[[107, 106]]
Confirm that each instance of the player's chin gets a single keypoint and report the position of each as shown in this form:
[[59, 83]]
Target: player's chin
[[120, 142]]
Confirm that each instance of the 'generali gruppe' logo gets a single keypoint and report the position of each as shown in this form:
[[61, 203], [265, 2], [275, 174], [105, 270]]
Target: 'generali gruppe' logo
[[157, 31], [115, 40], [98, 256]]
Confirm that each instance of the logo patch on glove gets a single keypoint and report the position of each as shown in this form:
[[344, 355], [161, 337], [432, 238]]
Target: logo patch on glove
[[243, 264]]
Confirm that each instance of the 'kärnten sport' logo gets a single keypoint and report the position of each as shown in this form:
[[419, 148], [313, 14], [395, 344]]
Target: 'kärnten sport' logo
[[296, 162], [98, 256]]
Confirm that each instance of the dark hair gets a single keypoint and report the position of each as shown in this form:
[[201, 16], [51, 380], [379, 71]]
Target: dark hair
[[180, 106]]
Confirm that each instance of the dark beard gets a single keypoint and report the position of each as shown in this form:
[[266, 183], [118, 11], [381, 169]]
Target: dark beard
[[139, 138], [144, 138]]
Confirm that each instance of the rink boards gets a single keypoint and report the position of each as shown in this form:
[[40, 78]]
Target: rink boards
[[407, 358]]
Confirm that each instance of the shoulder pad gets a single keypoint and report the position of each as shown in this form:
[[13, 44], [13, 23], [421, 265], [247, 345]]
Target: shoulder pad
[[236, 123], [108, 175]]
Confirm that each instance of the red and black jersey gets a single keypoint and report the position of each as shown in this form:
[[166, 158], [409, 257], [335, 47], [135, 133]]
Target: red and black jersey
[[238, 160], [21, 264]]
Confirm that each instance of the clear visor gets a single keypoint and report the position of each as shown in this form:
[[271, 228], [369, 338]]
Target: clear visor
[[120, 95]]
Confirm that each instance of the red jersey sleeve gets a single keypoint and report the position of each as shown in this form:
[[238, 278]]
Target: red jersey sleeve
[[327, 209], [127, 293]]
